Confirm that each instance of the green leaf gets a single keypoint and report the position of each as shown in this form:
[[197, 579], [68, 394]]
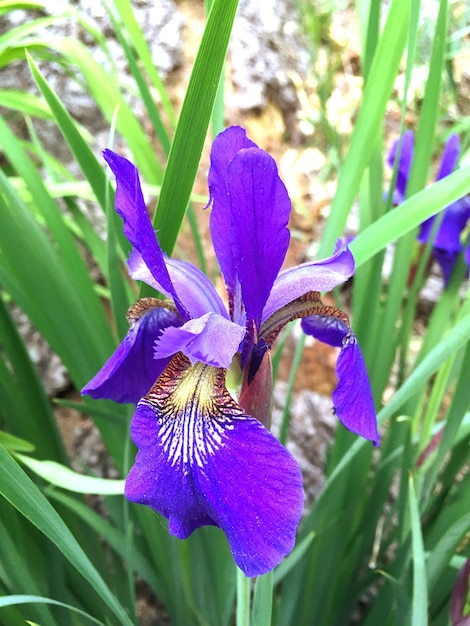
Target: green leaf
[[186, 149], [27, 599], [379, 85], [263, 601], [22, 493], [15, 444], [422, 205], [62, 476], [419, 606]]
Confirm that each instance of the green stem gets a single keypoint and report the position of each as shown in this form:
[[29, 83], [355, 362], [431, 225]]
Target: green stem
[[243, 599]]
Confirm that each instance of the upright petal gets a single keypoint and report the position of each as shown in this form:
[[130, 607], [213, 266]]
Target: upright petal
[[132, 369], [138, 229], [260, 212], [203, 461], [212, 339], [352, 398], [312, 276], [224, 148]]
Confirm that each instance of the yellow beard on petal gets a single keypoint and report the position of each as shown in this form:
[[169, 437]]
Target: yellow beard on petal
[[194, 410]]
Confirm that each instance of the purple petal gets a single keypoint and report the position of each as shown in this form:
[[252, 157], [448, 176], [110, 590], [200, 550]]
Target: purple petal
[[450, 157], [132, 369], [196, 292], [203, 461], [446, 261], [325, 328], [212, 339], [467, 254], [404, 164], [138, 229], [224, 148], [454, 220], [352, 398], [260, 212], [313, 276]]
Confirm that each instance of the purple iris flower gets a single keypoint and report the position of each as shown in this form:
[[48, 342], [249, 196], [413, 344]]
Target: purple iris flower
[[205, 456], [447, 243]]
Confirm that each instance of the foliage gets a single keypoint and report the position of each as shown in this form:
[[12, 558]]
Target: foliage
[[386, 537]]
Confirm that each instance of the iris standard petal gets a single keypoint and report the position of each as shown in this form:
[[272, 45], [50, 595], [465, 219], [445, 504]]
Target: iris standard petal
[[313, 276], [224, 148], [138, 229], [211, 338], [352, 398], [260, 208], [132, 369], [203, 461]]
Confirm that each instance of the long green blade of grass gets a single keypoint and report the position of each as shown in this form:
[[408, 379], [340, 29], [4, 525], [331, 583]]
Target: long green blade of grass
[[22, 493], [379, 84], [193, 122]]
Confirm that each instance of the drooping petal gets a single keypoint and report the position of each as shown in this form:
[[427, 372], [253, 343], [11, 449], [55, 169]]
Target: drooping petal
[[326, 328], [195, 291], [224, 148], [132, 369], [260, 209], [352, 398], [212, 339], [404, 164], [203, 461], [138, 229], [312, 276]]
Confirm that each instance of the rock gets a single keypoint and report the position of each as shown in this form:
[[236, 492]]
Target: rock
[[267, 53]]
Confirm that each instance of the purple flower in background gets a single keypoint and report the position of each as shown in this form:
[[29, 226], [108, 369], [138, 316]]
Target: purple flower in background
[[205, 456], [447, 243]]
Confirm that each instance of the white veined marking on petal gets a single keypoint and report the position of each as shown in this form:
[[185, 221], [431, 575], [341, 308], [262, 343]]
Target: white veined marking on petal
[[189, 432]]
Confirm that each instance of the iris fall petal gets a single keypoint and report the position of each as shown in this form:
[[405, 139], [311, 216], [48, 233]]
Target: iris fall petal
[[132, 369], [352, 398], [203, 461]]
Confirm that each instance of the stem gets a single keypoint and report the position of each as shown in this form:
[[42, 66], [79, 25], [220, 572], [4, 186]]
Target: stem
[[243, 599]]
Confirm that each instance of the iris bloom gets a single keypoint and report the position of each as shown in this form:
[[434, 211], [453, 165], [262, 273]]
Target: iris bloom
[[447, 243], [204, 455]]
